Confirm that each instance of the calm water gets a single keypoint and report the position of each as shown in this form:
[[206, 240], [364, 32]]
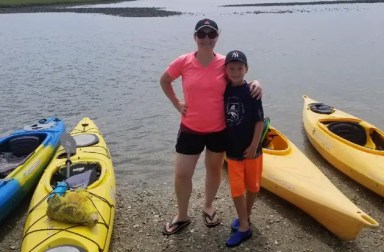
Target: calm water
[[107, 68]]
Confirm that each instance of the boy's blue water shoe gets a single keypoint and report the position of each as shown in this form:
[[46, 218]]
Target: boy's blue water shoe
[[238, 237], [236, 224]]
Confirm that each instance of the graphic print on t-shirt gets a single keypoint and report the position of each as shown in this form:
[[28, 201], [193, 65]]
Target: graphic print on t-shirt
[[235, 111]]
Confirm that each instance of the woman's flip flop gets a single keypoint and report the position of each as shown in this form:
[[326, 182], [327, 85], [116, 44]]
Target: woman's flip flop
[[177, 227], [209, 219]]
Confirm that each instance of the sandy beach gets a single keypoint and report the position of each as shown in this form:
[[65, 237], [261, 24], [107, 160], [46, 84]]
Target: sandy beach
[[145, 205]]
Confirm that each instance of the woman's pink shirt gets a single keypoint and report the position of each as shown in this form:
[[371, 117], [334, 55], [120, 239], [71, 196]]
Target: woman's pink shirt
[[203, 89]]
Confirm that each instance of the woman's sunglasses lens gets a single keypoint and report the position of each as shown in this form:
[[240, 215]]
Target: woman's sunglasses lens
[[212, 35], [201, 34]]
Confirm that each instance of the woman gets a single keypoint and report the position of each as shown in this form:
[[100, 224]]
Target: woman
[[202, 121]]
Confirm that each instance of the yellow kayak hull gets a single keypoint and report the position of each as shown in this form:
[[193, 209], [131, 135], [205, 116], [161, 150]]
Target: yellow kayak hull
[[288, 173], [42, 233], [363, 162]]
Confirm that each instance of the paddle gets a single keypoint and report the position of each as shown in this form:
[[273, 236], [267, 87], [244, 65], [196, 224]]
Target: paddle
[[69, 144]]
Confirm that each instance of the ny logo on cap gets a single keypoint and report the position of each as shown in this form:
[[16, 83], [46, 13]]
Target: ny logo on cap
[[235, 54]]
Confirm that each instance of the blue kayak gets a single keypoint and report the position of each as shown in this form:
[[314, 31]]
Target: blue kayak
[[24, 155]]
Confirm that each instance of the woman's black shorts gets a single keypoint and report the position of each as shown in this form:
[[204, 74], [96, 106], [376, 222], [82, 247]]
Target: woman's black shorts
[[193, 143]]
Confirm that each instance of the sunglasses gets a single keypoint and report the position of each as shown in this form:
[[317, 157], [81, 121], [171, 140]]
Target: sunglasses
[[211, 35]]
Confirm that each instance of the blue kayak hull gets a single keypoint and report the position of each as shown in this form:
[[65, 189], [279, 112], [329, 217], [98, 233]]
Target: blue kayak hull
[[24, 155]]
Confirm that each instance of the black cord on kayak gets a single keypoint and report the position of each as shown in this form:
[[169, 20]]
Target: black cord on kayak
[[105, 201], [62, 230]]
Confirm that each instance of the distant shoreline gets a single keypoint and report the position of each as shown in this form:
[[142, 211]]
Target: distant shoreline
[[39, 6], [122, 12], [63, 3], [45, 6], [302, 3]]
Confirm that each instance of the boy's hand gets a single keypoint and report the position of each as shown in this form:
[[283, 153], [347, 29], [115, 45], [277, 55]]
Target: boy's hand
[[250, 152]]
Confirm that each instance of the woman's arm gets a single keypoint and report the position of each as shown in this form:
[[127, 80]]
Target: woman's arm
[[166, 85], [256, 89]]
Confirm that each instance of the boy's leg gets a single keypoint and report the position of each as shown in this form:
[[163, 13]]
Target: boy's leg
[[236, 180], [251, 198], [253, 171], [241, 209]]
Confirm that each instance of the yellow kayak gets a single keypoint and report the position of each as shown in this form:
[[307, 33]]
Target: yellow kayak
[[288, 173], [89, 169], [352, 145]]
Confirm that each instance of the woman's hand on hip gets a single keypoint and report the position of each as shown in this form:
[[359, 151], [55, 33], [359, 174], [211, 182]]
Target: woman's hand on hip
[[181, 107]]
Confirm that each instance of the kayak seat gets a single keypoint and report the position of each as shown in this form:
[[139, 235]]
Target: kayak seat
[[378, 140], [80, 175], [321, 108], [350, 131], [9, 162], [23, 145]]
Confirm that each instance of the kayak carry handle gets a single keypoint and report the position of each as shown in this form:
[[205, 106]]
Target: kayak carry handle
[[369, 221]]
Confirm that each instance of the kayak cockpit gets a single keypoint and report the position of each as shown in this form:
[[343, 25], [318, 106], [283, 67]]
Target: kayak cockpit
[[81, 175], [275, 143], [378, 139], [356, 132], [16, 150], [351, 131]]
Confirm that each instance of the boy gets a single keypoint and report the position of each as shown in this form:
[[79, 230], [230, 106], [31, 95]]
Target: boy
[[244, 120]]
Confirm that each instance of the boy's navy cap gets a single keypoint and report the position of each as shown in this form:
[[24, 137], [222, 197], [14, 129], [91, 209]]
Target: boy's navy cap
[[206, 23], [236, 55]]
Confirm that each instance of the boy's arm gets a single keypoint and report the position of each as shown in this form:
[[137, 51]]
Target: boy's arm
[[250, 152]]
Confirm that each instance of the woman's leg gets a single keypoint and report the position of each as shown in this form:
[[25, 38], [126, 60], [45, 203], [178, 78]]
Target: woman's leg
[[213, 164], [184, 169]]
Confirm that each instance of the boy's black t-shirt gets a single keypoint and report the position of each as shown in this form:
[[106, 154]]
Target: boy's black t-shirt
[[241, 114]]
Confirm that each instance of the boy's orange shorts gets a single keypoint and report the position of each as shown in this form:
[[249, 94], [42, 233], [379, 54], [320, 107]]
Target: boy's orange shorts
[[245, 175]]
